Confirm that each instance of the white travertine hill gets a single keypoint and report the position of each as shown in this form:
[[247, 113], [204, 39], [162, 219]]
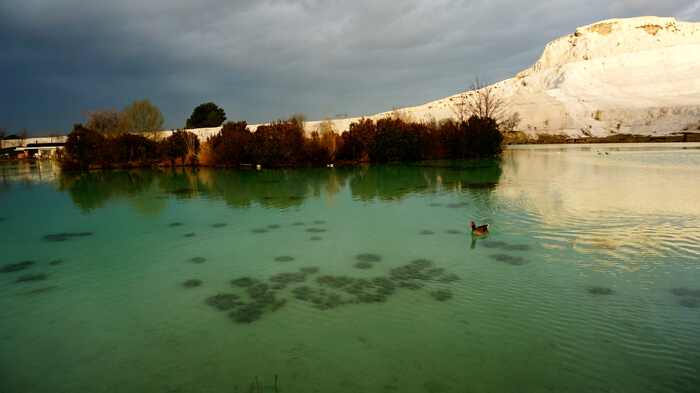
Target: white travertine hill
[[621, 76]]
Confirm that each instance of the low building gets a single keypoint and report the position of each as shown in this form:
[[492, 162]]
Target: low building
[[40, 150]]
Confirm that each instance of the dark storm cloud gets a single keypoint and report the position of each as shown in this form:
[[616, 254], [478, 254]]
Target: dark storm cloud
[[262, 60]]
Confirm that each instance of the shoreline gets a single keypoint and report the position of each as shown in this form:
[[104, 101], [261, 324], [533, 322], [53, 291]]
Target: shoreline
[[517, 138]]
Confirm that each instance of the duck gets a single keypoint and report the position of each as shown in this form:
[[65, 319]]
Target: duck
[[479, 230]]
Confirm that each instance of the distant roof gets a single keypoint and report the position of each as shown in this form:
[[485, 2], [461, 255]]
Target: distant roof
[[55, 144], [40, 146]]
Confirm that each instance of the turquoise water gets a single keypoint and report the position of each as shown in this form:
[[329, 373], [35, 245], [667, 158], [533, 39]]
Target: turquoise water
[[589, 280]]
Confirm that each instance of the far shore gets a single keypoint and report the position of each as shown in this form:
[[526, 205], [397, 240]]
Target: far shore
[[516, 138]]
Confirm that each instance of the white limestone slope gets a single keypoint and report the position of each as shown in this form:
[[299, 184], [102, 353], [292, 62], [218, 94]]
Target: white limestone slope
[[637, 75]]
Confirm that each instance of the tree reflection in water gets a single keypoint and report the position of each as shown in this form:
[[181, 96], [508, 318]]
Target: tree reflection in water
[[147, 191]]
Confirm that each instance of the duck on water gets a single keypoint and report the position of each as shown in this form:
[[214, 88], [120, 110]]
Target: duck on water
[[479, 230]]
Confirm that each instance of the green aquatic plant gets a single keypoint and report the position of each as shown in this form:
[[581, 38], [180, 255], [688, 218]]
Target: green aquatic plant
[[191, 283], [418, 269], [32, 277], [303, 292], [363, 265], [422, 263], [15, 267], [691, 302], [175, 224], [327, 301], [441, 295], [685, 292], [284, 258], [61, 237], [598, 290], [224, 301], [309, 270], [273, 226], [260, 292], [248, 313], [334, 281], [38, 291], [509, 259], [56, 262], [288, 278], [315, 230], [244, 281], [319, 222], [371, 297], [448, 278], [368, 257], [198, 259], [410, 284]]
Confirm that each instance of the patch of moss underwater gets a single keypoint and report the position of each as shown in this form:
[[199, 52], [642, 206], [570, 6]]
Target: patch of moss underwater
[[509, 259], [61, 237], [224, 301], [191, 283], [330, 292], [15, 267], [598, 290], [368, 257], [32, 277], [441, 295], [244, 281]]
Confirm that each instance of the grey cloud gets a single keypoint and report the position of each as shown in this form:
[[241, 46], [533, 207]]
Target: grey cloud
[[261, 60]]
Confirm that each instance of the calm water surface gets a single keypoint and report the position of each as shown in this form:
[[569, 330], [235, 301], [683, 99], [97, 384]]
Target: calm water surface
[[364, 279]]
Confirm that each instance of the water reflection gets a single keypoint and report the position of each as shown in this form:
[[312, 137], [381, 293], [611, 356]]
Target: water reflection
[[28, 173], [625, 210], [148, 190], [92, 190]]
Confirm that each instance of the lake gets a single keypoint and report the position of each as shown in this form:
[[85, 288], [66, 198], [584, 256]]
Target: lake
[[357, 279]]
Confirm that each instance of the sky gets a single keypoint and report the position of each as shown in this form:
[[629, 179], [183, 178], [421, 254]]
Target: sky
[[264, 60]]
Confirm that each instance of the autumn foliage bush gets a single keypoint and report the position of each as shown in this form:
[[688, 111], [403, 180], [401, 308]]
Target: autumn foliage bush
[[180, 147]]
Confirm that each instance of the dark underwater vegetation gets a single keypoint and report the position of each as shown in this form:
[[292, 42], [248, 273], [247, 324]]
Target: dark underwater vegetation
[[61, 237], [15, 267], [329, 291], [32, 277], [598, 290], [509, 259], [191, 283]]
